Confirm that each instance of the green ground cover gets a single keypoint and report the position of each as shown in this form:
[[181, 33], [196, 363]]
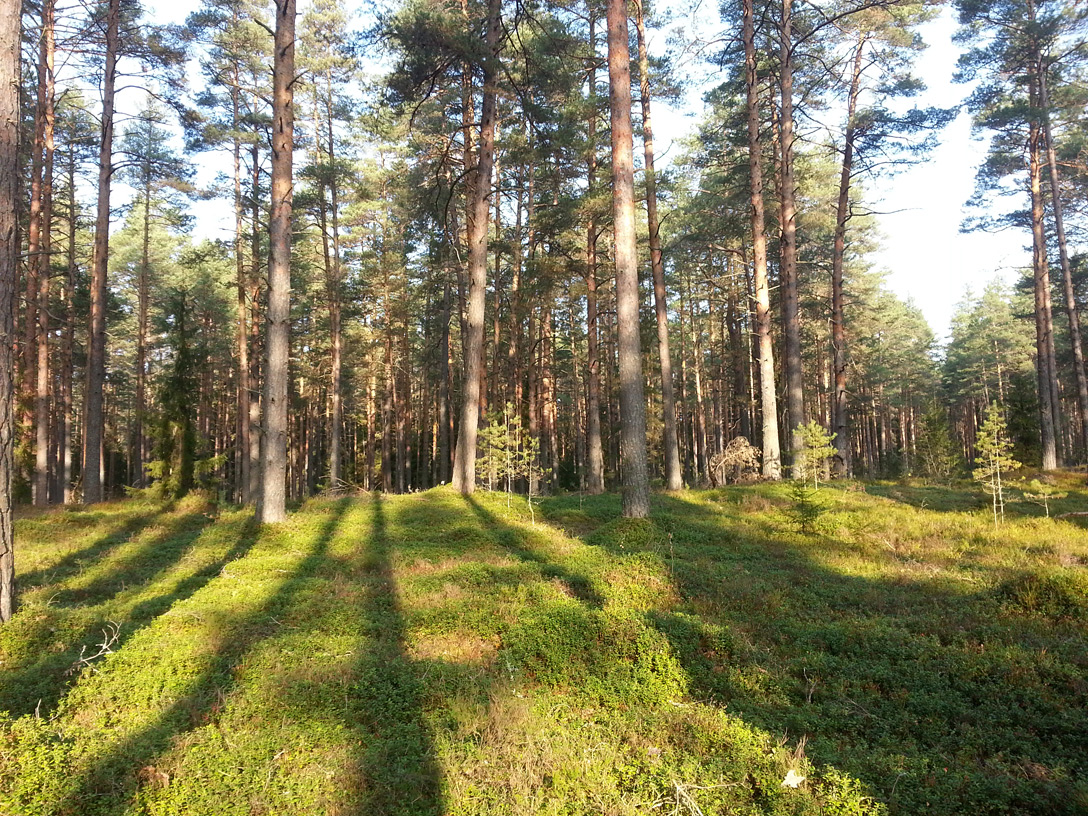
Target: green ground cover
[[428, 654]]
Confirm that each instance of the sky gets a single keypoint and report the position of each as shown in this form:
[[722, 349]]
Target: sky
[[926, 257]]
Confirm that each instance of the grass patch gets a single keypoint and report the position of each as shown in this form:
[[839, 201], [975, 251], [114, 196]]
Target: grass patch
[[428, 654]]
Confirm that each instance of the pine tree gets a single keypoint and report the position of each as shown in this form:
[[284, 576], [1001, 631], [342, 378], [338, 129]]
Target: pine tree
[[994, 458]]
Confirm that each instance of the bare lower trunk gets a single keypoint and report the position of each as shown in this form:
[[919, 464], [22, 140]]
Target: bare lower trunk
[[1067, 277], [772, 457], [636, 480], [271, 506], [464, 466], [94, 417], [9, 258], [839, 404], [673, 477], [44, 264], [594, 451], [241, 448], [791, 321]]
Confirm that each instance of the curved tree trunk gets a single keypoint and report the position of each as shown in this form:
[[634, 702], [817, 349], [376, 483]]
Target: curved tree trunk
[[636, 480]]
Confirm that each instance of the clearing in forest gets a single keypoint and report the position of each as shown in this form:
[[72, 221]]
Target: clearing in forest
[[429, 654]]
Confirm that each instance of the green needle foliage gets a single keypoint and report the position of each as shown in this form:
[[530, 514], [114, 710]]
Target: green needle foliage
[[994, 459]]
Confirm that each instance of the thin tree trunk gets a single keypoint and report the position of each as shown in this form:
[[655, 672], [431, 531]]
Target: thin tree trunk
[[839, 402], [67, 352], [673, 476], [271, 506], [93, 423], [636, 479], [44, 263], [464, 470], [241, 451], [768, 401], [787, 194], [594, 450], [256, 437]]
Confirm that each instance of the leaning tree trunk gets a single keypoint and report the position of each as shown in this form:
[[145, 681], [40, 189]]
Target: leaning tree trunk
[[791, 321], [636, 480], [839, 405], [93, 413], [674, 479], [464, 464], [1067, 277], [772, 457], [271, 505], [9, 258]]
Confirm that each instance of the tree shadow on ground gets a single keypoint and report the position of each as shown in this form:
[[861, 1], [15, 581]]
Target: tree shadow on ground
[[514, 541], [77, 561], [926, 688], [106, 785], [396, 771], [53, 641]]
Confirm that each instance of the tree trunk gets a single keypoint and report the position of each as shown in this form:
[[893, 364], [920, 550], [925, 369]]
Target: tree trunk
[[791, 322], [9, 259], [768, 401], [464, 469], [594, 451], [241, 449], [271, 506], [1067, 277], [44, 262], [636, 480], [93, 422], [673, 477], [839, 402]]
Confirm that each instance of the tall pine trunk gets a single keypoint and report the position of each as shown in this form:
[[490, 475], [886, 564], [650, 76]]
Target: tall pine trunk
[[271, 506], [44, 261], [1067, 276], [772, 457], [93, 413], [791, 321], [839, 403], [636, 479], [464, 465], [594, 450], [674, 479], [9, 258]]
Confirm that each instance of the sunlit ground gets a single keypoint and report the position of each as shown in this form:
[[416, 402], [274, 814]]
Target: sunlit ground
[[428, 654]]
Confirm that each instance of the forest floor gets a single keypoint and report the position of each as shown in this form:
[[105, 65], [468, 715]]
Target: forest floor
[[429, 654]]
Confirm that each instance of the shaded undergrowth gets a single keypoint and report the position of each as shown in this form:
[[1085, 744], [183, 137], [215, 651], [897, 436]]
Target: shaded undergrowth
[[429, 654]]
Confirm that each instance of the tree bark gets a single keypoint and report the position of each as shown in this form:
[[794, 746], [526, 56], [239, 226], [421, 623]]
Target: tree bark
[[1067, 277], [772, 467], [94, 419], [44, 261], [464, 466], [271, 506], [1044, 327], [594, 450], [636, 479], [241, 448], [674, 479], [791, 321], [9, 258], [839, 401]]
